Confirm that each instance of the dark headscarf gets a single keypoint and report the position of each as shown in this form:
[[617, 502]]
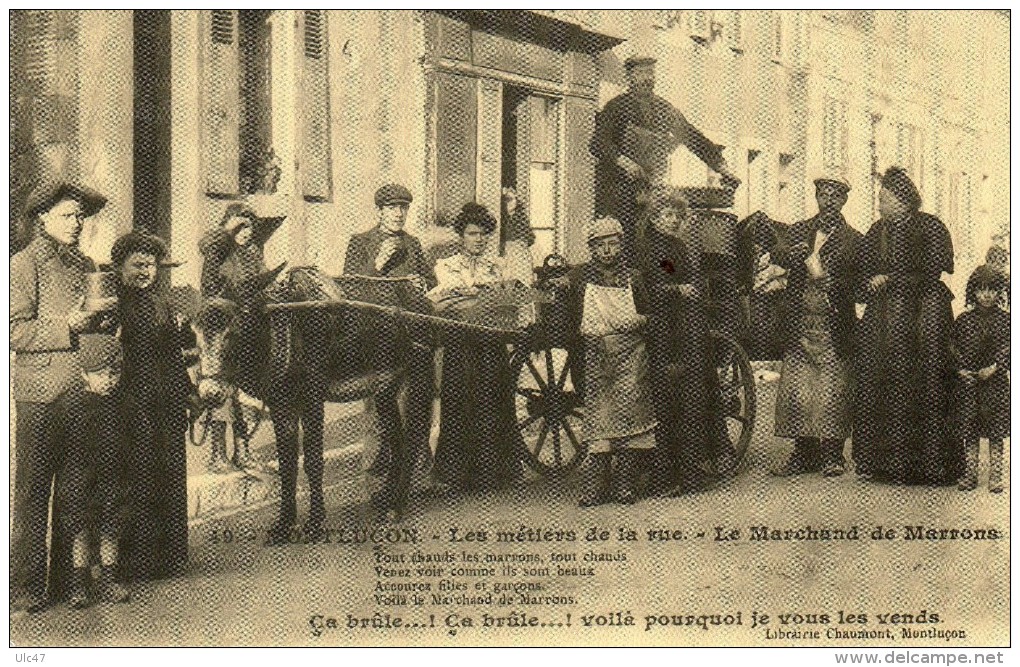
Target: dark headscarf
[[897, 181]]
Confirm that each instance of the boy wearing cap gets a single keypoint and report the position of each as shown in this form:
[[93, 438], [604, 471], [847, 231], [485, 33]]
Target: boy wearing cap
[[46, 317], [610, 306], [94, 473], [813, 404]]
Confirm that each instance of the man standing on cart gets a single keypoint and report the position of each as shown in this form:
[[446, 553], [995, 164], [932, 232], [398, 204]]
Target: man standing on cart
[[634, 135]]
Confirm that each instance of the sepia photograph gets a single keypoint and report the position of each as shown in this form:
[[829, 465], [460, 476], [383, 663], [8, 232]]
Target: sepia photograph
[[511, 328]]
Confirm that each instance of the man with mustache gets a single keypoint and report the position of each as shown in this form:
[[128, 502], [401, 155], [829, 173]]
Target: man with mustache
[[619, 178]]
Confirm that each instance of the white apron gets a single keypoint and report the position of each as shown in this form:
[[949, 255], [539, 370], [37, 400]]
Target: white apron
[[618, 403]]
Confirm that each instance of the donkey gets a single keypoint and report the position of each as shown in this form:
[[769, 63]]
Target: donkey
[[300, 358]]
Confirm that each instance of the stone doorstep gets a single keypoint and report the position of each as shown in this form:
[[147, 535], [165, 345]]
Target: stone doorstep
[[212, 496]]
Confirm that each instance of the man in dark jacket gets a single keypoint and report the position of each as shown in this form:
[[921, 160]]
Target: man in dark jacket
[[47, 316], [634, 135], [387, 251], [814, 401]]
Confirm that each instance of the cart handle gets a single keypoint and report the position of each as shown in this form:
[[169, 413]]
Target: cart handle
[[396, 313]]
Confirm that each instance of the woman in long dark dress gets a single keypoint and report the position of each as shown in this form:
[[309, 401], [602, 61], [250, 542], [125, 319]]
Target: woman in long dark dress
[[687, 389], [476, 434], [155, 380], [903, 364]]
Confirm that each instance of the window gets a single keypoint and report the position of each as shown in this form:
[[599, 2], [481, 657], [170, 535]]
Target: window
[[240, 91], [699, 23], [779, 36], [316, 164], [735, 30], [910, 151], [834, 135], [543, 114], [960, 216]]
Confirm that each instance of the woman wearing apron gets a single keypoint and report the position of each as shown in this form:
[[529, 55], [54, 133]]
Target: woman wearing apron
[[610, 303]]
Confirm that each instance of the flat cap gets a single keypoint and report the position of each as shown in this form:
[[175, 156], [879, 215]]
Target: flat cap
[[604, 227], [49, 193], [834, 179], [99, 351], [392, 193], [636, 61]]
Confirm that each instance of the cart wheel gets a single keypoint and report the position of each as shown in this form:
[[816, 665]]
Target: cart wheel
[[548, 409], [736, 384]]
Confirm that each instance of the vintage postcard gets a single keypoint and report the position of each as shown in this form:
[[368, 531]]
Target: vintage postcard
[[411, 328]]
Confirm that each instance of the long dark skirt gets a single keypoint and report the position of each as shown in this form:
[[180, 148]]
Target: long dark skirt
[[903, 383], [477, 438], [154, 542]]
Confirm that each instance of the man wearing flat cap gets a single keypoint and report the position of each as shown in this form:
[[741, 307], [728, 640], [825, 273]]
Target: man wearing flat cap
[[387, 251], [620, 172], [903, 359], [813, 405], [48, 280]]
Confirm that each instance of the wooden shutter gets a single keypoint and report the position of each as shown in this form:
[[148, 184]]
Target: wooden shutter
[[316, 165], [579, 174], [488, 191], [456, 144], [221, 101], [735, 30]]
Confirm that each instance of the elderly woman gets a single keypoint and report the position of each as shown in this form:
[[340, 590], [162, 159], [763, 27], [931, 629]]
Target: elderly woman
[[903, 364], [687, 386], [476, 448], [156, 381]]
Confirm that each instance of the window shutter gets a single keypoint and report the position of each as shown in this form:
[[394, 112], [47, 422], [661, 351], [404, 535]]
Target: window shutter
[[778, 37], [834, 134], [698, 25], [221, 98], [316, 165], [736, 31], [456, 144]]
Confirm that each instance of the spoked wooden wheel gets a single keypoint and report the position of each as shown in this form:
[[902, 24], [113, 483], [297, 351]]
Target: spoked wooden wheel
[[548, 409], [737, 408]]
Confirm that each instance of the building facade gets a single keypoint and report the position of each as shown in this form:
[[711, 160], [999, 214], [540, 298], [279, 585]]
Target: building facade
[[172, 114]]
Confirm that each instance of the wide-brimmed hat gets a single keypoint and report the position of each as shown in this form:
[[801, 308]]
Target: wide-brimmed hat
[[604, 227], [47, 194]]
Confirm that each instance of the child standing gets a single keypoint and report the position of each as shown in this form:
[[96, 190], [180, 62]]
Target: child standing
[[981, 337], [611, 304], [234, 269], [94, 474]]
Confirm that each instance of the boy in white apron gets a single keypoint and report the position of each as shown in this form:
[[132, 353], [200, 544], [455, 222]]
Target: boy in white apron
[[610, 304]]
